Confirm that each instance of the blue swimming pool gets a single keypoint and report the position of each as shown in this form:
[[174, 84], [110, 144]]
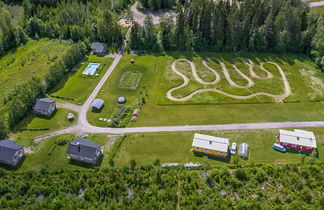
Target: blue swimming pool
[[91, 69]]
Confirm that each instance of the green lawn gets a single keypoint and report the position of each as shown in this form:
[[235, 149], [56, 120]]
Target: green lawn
[[56, 122], [79, 86], [305, 78], [318, 10], [300, 72], [176, 147], [49, 154], [30, 60], [111, 90]]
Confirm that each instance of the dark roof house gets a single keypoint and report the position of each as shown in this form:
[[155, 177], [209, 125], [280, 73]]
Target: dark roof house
[[44, 106], [99, 48], [10, 152], [97, 104], [84, 150]]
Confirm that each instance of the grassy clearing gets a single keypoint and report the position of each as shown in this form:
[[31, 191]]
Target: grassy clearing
[[291, 64], [79, 86], [176, 148], [49, 154], [30, 60], [317, 10], [304, 75], [16, 11], [56, 122]]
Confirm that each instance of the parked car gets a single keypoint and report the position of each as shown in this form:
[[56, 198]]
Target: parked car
[[233, 149], [279, 147]]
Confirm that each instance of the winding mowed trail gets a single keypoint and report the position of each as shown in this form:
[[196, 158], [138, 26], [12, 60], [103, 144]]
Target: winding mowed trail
[[250, 82]]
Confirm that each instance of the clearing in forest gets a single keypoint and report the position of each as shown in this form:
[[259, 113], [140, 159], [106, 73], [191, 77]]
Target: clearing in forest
[[28, 61]]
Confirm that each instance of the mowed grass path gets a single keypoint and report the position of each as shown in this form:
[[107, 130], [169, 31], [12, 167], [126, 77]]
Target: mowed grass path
[[176, 148], [30, 60], [79, 86], [304, 79]]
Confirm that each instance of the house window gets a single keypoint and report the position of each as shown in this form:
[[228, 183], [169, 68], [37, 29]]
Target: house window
[[18, 155], [206, 150], [293, 145], [197, 147], [284, 144], [221, 152]]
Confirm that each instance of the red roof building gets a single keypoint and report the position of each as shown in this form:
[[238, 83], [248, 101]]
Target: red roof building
[[298, 139]]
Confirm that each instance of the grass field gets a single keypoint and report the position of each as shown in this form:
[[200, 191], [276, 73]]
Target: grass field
[[318, 10], [53, 156], [305, 77], [296, 68], [79, 86], [176, 148], [30, 60], [56, 122]]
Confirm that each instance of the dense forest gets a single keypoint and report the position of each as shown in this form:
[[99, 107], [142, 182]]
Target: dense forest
[[276, 26], [153, 187]]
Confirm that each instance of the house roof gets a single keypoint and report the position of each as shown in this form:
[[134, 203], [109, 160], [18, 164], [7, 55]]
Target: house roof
[[298, 137], [83, 148], [43, 103], [210, 142], [8, 148], [99, 47], [97, 103]]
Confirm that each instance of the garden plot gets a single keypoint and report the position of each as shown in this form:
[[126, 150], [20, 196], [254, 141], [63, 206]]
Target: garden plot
[[130, 80]]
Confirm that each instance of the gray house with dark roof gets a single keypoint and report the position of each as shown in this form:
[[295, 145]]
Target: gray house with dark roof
[[45, 106], [98, 48], [10, 152], [84, 150]]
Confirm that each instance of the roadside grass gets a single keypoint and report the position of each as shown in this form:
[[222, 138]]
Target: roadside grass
[[305, 78], [30, 60], [175, 147], [56, 122], [317, 10], [79, 86], [48, 154]]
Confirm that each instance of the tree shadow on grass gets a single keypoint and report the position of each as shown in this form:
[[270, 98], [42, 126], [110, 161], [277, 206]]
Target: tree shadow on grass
[[213, 157], [29, 118]]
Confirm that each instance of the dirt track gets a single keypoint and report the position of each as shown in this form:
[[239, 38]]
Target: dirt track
[[250, 82]]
